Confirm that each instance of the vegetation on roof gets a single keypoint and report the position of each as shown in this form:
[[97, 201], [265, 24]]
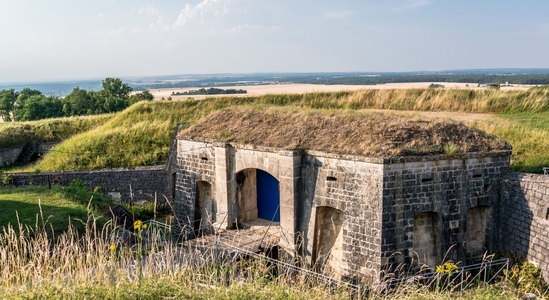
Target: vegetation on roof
[[359, 133], [141, 135]]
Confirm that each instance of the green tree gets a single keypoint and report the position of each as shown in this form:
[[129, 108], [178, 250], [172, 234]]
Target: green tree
[[7, 102], [114, 87], [52, 107], [19, 110], [38, 107], [143, 96], [78, 102]]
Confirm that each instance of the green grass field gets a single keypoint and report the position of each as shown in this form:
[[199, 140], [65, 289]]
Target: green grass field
[[141, 135], [39, 206]]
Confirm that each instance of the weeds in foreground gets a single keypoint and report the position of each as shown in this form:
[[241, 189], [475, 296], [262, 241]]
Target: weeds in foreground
[[109, 262]]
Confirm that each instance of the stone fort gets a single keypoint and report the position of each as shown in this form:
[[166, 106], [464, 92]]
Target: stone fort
[[337, 207], [347, 214]]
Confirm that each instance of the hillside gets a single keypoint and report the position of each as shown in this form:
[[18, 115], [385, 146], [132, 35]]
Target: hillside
[[51, 130], [360, 133], [141, 135]]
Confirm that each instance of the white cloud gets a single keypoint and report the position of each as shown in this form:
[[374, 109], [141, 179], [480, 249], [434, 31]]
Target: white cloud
[[413, 4], [115, 33], [246, 27], [148, 10], [159, 25], [101, 15], [336, 14], [200, 11]]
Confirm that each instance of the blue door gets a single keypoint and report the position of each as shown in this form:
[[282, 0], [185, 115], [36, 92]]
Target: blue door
[[268, 196]]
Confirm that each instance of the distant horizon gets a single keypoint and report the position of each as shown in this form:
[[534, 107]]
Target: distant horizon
[[461, 71], [46, 41]]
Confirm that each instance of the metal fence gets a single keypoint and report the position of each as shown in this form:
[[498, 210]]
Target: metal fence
[[461, 278]]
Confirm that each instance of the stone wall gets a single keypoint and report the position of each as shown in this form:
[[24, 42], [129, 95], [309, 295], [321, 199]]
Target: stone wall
[[352, 186], [136, 184], [447, 187], [195, 163], [8, 156], [389, 212], [524, 222]]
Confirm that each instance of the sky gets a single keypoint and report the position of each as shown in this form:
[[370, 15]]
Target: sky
[[66, 39]]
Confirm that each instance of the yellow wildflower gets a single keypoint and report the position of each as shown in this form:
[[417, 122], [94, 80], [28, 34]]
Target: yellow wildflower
[[137, 224], [113, 247], [144, 226], [447, 268]]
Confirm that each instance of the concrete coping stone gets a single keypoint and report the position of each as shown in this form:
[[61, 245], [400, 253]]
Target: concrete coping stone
[[151, 168], [529, 177], [368, 159], [12, 147]]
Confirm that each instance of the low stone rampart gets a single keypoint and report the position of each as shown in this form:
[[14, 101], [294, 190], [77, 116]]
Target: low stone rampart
[[123, 184], [524, 218], [8, 156]]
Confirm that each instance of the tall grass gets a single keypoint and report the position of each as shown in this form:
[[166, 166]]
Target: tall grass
[[110, 263], [53, 130], [141, 135], [107, 262]]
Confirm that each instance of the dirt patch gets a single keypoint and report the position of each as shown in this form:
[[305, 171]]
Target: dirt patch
[[359, 133]]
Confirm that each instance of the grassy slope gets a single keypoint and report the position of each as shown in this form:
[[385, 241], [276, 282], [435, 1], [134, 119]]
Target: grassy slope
[[53, 130], [39, 206], [141, 135]]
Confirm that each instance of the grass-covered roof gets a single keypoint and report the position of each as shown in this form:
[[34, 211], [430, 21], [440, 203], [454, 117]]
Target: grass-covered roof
[[357, 133]]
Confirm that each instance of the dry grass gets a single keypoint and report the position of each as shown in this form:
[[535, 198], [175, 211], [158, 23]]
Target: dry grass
[[359, 133], [141, 135], [104, 262]]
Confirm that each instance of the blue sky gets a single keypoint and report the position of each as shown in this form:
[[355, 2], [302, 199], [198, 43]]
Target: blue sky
[[67, 39]]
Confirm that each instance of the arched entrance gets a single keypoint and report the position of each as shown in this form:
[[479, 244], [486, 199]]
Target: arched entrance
[[258, 196], [204, 208], [478, 228], [426, 238], [328, 240]]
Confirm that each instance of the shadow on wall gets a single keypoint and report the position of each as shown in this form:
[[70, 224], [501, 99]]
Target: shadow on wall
[[519, 230], [307, 184]]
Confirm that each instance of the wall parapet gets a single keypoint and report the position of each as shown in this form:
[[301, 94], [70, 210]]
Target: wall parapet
[[524, 218], [124, 184]]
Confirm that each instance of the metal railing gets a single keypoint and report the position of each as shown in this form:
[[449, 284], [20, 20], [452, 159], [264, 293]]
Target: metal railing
[[163, 230], [464, 277], [291, 268]]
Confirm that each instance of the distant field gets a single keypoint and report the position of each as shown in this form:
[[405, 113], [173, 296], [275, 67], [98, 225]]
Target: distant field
[[258, 90]]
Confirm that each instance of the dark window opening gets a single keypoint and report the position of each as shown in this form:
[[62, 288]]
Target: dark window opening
[[331, 178], [204, 158], [174, 178], [426, 179], [477, 175], [547, 214], [487, 187]]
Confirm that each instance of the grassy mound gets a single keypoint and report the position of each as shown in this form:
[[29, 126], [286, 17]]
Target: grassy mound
[[359, 133], [52, 130], [141, 135]]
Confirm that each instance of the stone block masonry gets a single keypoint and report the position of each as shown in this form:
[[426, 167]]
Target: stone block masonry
[[429, 200], [524, 218], [9, 156], [357, 217], [135, 184]]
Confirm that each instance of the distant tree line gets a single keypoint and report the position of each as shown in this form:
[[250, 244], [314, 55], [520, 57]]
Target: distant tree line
[[211, 91], [29, 104], [398, 78]]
